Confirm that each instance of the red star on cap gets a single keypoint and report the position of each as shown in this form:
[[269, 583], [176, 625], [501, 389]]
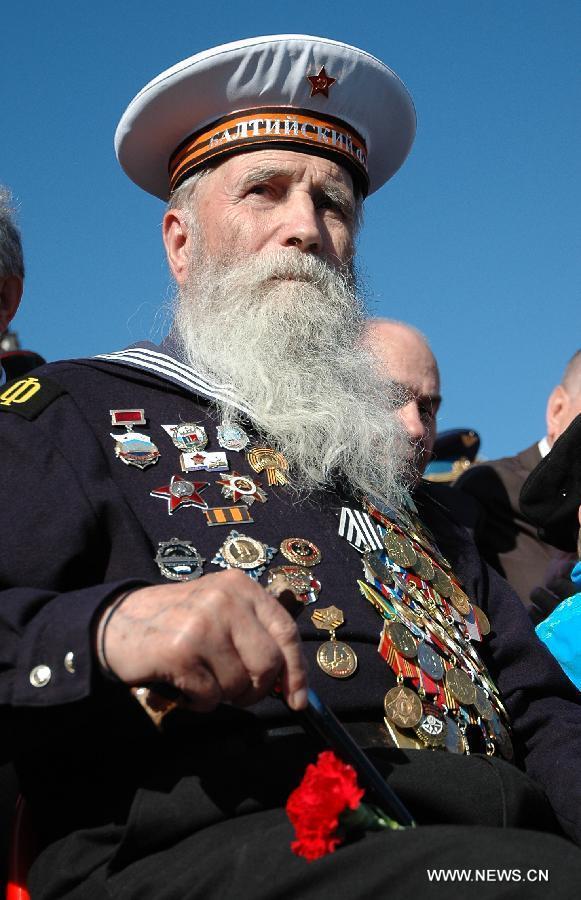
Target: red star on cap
[[181, 492], [321, 83]]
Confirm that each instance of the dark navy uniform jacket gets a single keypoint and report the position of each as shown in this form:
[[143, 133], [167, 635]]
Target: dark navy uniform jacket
[[77, 526]]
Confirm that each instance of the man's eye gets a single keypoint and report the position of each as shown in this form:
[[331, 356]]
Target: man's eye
[[258, 189], [331, 205]]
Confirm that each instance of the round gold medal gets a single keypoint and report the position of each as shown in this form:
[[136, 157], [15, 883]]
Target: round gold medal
[[402, 639], [337, 659], [403, 707], [442, 583], [423, 567], [482, 620], [460, 686], [399, 549], [300, 551], [459, 600]]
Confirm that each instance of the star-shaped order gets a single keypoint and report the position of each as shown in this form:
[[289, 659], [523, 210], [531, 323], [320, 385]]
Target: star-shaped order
[[181, 492], [239, 487], [321, 83]]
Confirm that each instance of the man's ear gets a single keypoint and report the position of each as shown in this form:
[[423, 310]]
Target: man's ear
[[557, 406], [10, 294], [176, 238]]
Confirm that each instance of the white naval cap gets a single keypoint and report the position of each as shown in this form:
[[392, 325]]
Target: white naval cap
[[288, 91]]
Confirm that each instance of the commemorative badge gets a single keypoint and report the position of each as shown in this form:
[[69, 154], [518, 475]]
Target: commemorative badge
[[187, 436], [265, 459], [242, 552], [239, 487], [200, 460], [180, 492], [132, 447], [179, 560], [232, 437], [300, 551], [335, 658]]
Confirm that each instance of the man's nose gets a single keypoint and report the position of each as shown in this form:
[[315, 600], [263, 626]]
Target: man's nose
[[301, 226], [410, 416]]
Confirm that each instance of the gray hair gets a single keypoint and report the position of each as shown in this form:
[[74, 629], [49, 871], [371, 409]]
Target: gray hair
[[11, 259]]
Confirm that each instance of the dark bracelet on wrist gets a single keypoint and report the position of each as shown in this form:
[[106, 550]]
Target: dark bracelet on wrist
[[106, 668]]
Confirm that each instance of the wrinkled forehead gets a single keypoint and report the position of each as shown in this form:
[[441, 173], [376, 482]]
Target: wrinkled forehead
[[294, 167]]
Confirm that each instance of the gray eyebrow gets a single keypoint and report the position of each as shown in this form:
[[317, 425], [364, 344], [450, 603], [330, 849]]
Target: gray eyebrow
[[333, 192]]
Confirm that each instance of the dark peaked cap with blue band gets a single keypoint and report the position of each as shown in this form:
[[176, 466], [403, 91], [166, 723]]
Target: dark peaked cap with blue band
[[285, 91]]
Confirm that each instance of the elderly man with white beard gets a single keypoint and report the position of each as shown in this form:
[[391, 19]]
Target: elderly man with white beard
[[169, 495]]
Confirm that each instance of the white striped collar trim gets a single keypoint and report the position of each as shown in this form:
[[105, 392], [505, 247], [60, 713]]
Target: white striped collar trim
[[171, 369]]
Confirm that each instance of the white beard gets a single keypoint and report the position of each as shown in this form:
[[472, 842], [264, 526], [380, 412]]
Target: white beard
[[283, 329]]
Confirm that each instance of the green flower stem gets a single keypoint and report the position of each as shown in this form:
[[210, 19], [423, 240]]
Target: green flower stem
[[366, 818]]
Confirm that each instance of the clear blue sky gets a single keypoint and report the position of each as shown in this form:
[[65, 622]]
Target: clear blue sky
[[475, 241]]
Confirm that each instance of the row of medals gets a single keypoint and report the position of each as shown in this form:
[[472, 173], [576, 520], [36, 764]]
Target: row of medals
[[444, 695]]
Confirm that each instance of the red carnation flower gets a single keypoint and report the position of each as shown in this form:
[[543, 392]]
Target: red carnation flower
[[326, 807], [328, 789]]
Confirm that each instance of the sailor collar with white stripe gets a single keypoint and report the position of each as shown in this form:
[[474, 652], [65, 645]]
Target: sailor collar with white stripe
[[162, 361]]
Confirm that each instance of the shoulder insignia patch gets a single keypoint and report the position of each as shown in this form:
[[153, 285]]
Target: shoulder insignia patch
[[29, 396]]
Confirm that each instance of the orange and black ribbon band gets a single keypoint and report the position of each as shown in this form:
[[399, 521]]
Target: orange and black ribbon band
[[280, 127]]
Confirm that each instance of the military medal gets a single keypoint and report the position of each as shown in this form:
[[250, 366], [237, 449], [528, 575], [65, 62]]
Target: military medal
[[242, 552], [187, 436], [403, 707], [180, 492], [300, 580], [199, 459], [423, 566], [459, 600], [300, 551], [378, 569], [399, 549], [481, 619], [483, 705], [460, 686], [265, 459], [179, 560], [402, 639], [433, 727], [430, 661], [133, 448], [455, 740], [442, 583], [232, 437], [334, 657], [238, 487]]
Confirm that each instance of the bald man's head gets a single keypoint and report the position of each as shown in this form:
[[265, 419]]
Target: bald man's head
[[564, 404], [403, 352]]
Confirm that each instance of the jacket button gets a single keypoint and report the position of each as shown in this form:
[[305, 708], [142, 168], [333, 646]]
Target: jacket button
[[70, 662], [40, 676]]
